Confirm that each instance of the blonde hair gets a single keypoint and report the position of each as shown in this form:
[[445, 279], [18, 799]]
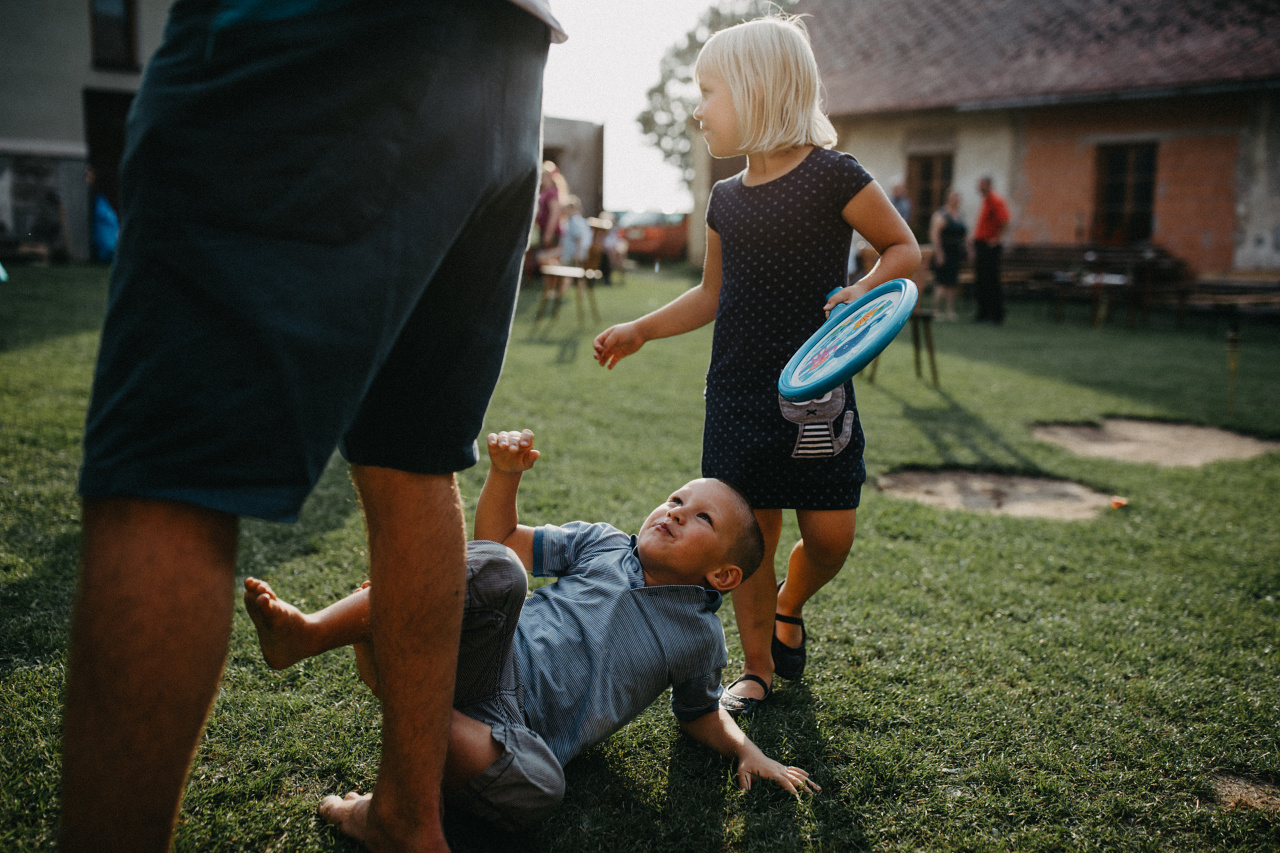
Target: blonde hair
[[769, 68]]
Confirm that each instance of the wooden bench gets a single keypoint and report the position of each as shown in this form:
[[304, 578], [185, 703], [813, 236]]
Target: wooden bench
[[582, 278], [558, 277], [1142, 276]]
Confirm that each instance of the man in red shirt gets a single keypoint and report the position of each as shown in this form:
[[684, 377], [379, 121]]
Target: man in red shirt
[[993, 218]]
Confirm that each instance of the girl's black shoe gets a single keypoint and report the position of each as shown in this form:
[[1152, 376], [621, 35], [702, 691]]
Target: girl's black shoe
[[788, 661], [736, 705]]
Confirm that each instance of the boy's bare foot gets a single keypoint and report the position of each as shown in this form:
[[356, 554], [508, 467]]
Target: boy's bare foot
[[280, 625], [354, 817]]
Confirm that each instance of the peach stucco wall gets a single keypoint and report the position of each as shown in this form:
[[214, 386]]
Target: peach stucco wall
[[1196, 163]]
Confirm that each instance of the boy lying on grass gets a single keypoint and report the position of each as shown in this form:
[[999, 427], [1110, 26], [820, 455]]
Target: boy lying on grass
[[541, 680]]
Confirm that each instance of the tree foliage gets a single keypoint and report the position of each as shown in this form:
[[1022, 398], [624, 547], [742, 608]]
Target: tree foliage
[[668, 120]]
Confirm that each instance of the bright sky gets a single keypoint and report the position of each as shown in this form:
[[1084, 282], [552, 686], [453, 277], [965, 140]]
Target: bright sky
[[601, 75]]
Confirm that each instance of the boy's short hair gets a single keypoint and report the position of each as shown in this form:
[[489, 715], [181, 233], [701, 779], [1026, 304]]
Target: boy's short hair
[[747, 550], [772, 76]]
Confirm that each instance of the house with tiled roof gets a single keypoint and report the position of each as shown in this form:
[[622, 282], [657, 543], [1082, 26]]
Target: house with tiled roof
[[1120, 123]]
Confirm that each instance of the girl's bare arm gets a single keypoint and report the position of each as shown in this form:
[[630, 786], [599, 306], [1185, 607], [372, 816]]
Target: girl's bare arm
[[872, 215], [691, 310]]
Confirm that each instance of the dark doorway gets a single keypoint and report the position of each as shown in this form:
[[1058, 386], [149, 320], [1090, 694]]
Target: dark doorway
[[928, 182], [104, 122]]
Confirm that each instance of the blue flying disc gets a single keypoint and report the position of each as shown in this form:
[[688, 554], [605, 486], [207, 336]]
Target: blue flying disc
[[854, 334]]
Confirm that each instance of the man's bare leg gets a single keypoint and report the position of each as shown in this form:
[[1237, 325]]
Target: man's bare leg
[[472, 750], [417, 565], [149, 635]]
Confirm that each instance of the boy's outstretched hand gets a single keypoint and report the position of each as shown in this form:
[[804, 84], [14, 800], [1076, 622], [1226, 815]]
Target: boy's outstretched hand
[[512, 452], [760, 766], [720, 732]]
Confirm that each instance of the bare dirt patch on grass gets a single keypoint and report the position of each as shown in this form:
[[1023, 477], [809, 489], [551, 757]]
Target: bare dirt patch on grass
[[996, 493], [1234, 792], [1165, 444]]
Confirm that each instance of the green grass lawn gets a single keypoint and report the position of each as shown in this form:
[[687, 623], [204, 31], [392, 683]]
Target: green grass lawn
[[975, 682]]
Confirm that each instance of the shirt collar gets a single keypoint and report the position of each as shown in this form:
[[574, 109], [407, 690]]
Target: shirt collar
[[635, 577]]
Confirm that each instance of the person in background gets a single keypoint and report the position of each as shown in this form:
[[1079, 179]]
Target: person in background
[[607, 244], [571, 250], [553, 192], [988, 231], [902, 202], [947, 233], [575, 234], [105, 225]]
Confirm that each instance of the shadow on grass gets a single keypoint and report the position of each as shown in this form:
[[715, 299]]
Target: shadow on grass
[[469, 834], [787, 729], [1183, 370], [565, 334], [609, 805], [567, 339], [34, 609], [962, 437], [694, 811], [601, 810]]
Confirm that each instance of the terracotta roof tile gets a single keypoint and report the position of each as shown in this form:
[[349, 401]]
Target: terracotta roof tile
[[894, 55]]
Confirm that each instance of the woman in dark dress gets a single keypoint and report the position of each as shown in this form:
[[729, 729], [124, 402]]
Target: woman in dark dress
[[947, 232]]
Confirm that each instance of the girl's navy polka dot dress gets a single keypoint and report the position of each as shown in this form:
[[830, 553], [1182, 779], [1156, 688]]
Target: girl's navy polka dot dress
[[783, 246]]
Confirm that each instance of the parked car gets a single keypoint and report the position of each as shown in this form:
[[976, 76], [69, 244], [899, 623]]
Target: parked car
[[653, 234]]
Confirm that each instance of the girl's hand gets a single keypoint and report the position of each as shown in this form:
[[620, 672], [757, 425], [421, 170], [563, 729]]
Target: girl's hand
[[512, 452], [792, 779], [616, 343], [844, 294]]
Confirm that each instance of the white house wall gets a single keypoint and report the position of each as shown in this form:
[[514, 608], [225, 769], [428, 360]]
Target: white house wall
[[45, 66], [981, 143]]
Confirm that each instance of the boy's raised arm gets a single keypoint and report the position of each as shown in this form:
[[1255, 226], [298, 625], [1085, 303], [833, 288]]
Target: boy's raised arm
[[718, 731], [497, 520]]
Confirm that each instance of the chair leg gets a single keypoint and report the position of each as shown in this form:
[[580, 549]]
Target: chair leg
[[591, 297], [915, 343], [928, 342]]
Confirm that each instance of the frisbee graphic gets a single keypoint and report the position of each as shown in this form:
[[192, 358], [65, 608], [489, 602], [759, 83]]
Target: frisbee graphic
[[854, 334]]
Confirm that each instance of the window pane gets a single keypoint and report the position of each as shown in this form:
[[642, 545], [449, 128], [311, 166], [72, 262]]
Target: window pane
[[1125, 193], [112, 24]]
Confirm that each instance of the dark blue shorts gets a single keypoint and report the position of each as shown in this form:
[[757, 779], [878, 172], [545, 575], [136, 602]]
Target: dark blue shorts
[[323, 223]]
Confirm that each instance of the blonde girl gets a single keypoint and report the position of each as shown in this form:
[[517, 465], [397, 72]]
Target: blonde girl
[[778, 237]]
